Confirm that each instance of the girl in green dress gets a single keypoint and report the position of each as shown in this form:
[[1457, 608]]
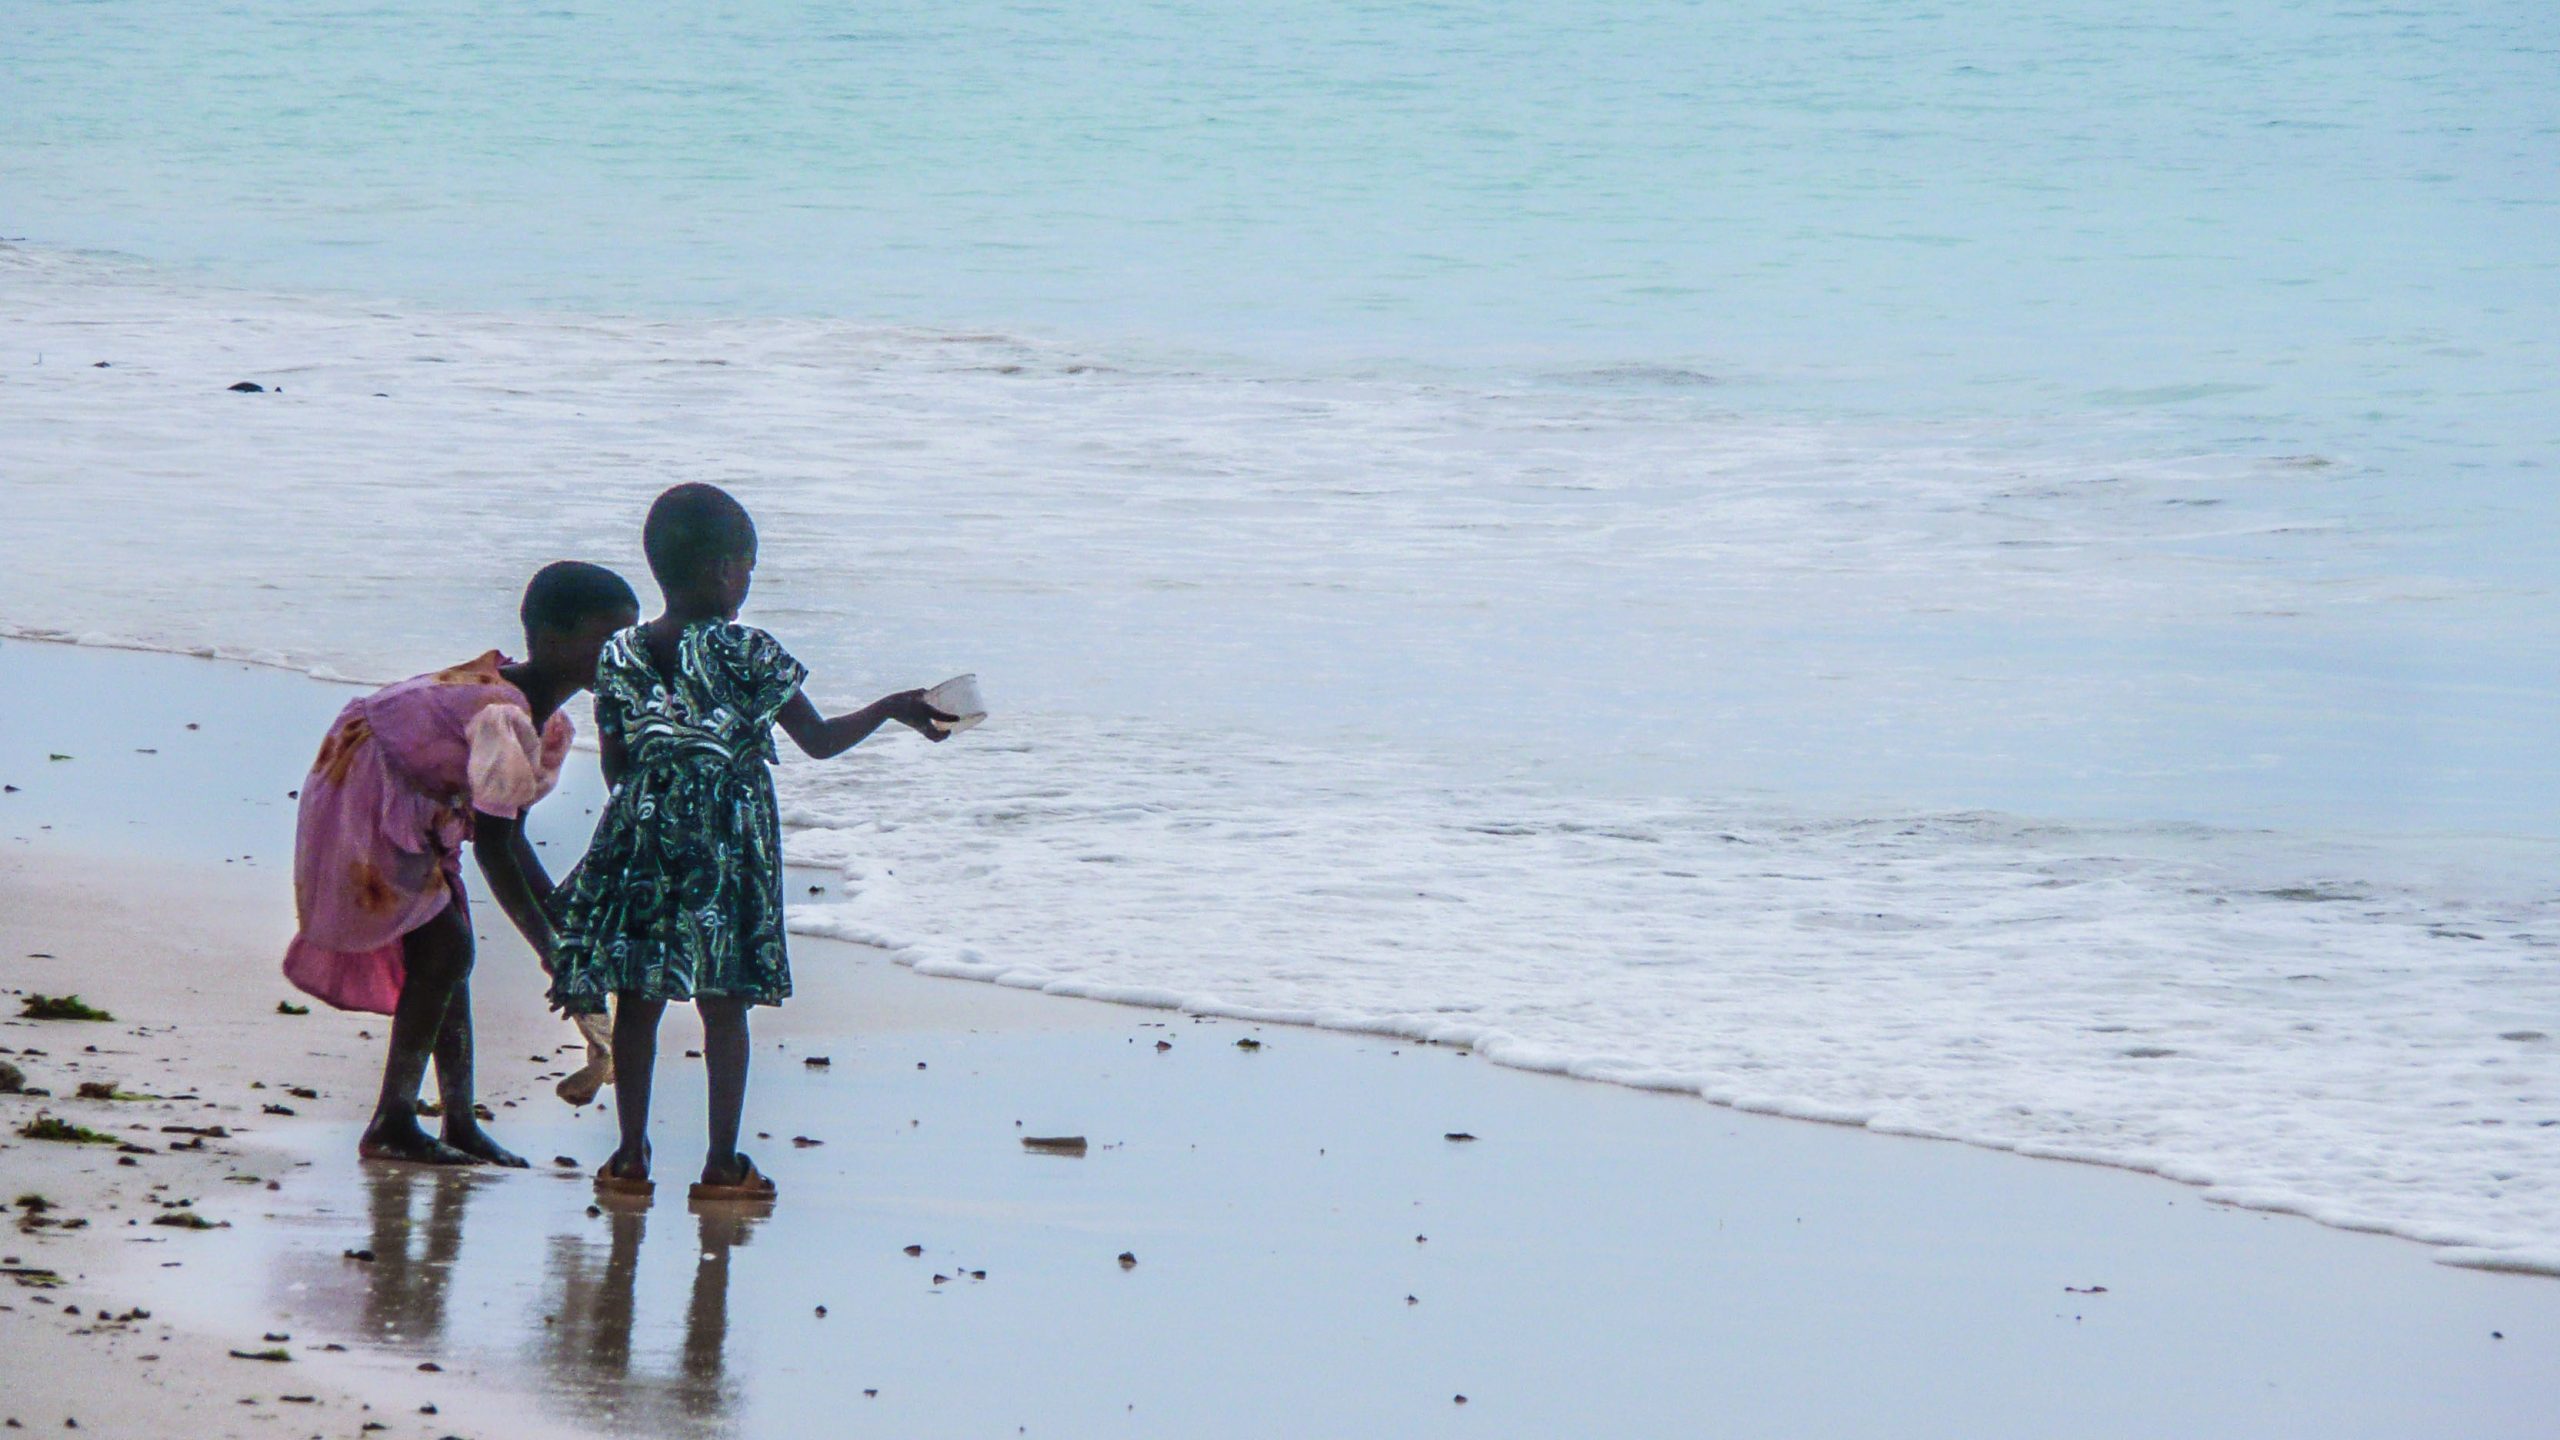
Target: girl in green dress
[[680, 894]]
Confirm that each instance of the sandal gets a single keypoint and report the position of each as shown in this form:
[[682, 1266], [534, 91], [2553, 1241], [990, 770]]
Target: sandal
[[611, 1182], [751, 1185]]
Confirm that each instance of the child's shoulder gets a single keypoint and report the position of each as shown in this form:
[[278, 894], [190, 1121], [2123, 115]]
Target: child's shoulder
[[751, 665], [734, 641], [481, 669]]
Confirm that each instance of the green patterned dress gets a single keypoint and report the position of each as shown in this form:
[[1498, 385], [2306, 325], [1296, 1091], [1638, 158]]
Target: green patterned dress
[[680, 893]]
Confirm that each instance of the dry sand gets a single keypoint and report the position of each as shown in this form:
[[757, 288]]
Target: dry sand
[[172, 951]]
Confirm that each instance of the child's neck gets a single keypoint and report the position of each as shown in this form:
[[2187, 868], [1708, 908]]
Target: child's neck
[[685, 610], [543, 690]]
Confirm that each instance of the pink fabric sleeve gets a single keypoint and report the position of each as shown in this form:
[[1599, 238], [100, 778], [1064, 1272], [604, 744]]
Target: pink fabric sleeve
[[505, 767]]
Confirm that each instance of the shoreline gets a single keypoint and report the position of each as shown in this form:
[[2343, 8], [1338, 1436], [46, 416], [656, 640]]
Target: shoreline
[[1271, 1194], [2463, 1243], [802, 854]]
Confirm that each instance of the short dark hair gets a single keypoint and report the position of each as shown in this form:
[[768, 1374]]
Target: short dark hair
[[567, 593], [690, 529]]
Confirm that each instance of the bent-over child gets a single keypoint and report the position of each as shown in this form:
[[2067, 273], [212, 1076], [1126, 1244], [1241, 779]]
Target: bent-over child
[[406, 776]]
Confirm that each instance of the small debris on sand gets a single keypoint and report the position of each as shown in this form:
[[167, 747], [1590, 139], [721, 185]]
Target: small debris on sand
[[278, 1357], [822, 1312], [1054, 1144], [1163, 1045], [565, 1162], [805, 1142], [244, 387], [1128, 1261], [1248, 1043], [362, 1257], [1457, 1135], [1457, 1399], [818, 1062], [2084, 1290], [915, 1250], [287, 1007]]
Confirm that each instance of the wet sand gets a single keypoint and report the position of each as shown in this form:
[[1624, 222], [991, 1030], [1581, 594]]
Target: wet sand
[[1313, 1255]]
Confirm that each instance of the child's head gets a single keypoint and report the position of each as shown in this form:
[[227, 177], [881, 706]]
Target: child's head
[[569, 611], [702, 548]]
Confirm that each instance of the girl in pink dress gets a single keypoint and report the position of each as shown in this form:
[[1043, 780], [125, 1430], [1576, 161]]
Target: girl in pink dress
[[407, 775]]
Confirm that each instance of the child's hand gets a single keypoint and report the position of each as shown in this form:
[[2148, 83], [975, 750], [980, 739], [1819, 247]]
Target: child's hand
[[907, 707]]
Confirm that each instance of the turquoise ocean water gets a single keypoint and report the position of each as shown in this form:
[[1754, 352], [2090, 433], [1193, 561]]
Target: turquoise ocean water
[[2302, 256]]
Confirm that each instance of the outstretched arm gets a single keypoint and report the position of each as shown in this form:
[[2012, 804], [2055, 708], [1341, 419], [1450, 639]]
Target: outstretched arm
[[508, 862], [825, 737]]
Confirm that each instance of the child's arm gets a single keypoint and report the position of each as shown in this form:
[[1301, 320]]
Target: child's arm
[[609, 749], [537, 879], [498, 841], [825, 737]]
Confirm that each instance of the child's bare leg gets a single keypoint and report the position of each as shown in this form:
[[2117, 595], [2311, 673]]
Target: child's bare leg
[[454, 1084], [635, 1069], [724, 1057], [436, 956]]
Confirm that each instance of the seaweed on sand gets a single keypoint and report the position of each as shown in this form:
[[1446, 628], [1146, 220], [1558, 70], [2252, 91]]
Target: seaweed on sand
[[60, 1007], [46, 1127]]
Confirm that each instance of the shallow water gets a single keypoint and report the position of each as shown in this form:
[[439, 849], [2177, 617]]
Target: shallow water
[[2033, 515]]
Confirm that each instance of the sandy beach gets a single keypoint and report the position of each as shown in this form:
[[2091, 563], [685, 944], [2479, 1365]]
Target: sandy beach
[[1312, 1250]]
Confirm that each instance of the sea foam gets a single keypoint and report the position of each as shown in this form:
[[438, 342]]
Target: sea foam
[[2233, 1010]]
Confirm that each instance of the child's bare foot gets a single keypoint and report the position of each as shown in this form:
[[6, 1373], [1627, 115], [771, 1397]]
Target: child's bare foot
[[403, 1141], [473, 1141]]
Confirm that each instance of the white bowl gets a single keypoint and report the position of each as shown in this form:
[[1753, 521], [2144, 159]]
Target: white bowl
[[957, 696]]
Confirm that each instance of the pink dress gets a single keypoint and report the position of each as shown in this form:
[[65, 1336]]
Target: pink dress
[[386, 809]]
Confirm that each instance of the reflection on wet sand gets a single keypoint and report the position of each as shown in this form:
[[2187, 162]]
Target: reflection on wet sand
[[413, 1253], [591, 1300]]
